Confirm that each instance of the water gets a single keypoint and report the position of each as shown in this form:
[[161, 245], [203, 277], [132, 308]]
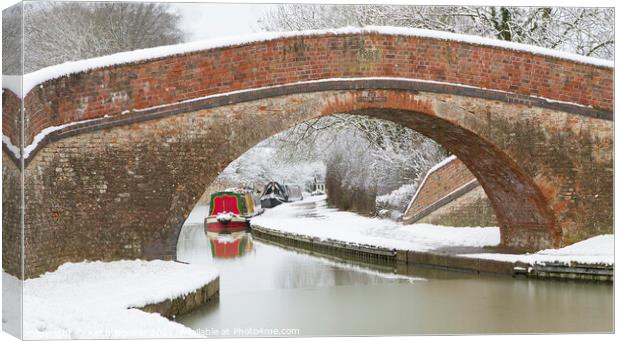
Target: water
[[265, 288]]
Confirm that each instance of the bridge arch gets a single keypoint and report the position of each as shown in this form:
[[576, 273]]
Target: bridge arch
[[121, 186]]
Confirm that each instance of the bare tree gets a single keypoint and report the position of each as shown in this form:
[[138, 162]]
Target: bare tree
[[12, 40], [587, 31], [351, 188], [395, 155], [56, 32]]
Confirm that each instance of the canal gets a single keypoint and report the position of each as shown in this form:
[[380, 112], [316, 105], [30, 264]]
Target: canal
[[265, 288]]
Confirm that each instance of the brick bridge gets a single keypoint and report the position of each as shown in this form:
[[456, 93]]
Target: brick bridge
[[145, 137]]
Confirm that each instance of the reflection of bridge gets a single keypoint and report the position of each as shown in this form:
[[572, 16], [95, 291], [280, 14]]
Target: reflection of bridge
[[121, 186]]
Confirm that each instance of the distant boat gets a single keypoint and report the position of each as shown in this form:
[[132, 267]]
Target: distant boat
[[230, 211], [273, 195]]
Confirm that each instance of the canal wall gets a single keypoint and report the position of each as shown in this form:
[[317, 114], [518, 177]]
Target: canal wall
[[173, 307], [378, 255], [354, 251]]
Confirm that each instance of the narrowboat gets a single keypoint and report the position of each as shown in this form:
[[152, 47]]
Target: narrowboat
[[273, 195], [230, 211]]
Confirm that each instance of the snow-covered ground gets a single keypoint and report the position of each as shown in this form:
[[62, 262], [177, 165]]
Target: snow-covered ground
[[93, 299], [11, 305], [312, 217], [596, 250]]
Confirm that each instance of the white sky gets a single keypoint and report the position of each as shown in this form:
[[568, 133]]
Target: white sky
[[203, 21]]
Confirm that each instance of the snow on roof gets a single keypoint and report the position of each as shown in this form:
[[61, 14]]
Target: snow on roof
[[38, 77]]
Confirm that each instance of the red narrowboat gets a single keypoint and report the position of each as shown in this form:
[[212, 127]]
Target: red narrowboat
[[230, 211]]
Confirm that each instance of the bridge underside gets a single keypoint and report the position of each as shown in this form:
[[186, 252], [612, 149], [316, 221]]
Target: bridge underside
[[123, 190]]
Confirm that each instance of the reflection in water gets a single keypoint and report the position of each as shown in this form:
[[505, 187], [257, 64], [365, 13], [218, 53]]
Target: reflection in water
[[268, 267], [229, 245], [270, 287]]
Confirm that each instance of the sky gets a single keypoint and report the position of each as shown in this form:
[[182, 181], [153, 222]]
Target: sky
[[207, 20]]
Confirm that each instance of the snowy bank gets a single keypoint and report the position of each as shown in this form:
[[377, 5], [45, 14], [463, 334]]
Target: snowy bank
[[94, 299], [596, 250], [312, 217], [11, 305], [22, 85]]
